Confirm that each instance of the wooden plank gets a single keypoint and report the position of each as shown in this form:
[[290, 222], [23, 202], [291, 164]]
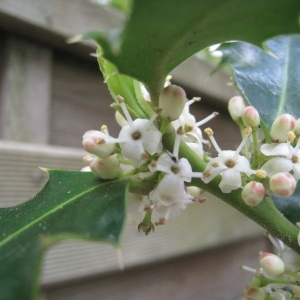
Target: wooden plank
[[53, 21], [25, 91], [80, 101], [213, 274], [200, 227]]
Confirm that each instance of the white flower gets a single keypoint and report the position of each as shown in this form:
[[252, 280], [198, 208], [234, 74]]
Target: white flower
[[170, 197], [289, 158], [193, 134], [137, 137], [230, 164]]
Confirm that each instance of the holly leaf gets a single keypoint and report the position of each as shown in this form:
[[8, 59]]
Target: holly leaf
[[289, 206], [72, 205], [129, 88], [160, 35], [268, 80]]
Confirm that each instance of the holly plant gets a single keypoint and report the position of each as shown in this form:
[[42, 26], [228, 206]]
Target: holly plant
[[161, 154]]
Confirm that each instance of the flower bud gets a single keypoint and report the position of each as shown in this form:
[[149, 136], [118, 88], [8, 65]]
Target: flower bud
[[172, 101], [297, 128], [281, 126], [271, 263], [94, 142], [283, 184], [85, 169], [236, 107], [254, 293], [120, 119], [253, 193], [105, 168], [250, 117]]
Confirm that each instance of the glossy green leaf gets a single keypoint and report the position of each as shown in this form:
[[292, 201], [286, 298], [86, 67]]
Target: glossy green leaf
[[289, 206], [160, 35], [72, 205], [127, 87], [268, 80]]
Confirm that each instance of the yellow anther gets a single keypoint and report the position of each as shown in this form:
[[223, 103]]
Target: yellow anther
[[261, 173], [209, 131], [290, 136], [248, 130]]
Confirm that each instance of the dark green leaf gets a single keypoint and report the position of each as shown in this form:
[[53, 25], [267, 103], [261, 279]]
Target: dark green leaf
[[72, 205], [268, 81], [160, 35], [289, 206], [125, 86]]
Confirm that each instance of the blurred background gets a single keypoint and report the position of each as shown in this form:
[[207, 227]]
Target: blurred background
[[50, 94]]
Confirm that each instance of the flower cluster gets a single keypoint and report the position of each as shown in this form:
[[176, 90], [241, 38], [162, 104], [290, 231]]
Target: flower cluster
[[255, 167], [278, 275]]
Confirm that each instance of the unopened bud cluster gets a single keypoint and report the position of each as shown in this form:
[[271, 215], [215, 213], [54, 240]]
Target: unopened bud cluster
[[277, 277], [138, 151], [281, 157]]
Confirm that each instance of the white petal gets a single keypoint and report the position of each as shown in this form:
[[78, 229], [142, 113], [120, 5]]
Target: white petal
[[277, 165], [231, 180], [243, 165], [211, 172], [282, 149], [133, 150], [296, 169], [169, 190], [185, 169], [152, 140]]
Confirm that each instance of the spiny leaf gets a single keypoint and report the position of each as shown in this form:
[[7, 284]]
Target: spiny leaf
[[268, 80], [72, 205], [160, 35]]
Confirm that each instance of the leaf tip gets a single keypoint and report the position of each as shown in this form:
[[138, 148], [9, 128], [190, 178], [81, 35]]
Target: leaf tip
[[43, 169], [75, 39]]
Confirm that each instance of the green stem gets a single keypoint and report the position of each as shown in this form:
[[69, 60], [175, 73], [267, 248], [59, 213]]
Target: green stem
[[255, 145], [265, 214]]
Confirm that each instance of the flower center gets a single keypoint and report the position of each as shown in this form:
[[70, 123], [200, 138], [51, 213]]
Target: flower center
[[136, 135], [175, 169], [295, 159], [230, 163]]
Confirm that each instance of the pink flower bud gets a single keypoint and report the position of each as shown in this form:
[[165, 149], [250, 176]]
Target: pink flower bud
[[297, 128], [250, 117], [94, 142], [236, 106], [105, 168], [271, 263], [281, 126], [172, 101], [253, 193], [283, 184]]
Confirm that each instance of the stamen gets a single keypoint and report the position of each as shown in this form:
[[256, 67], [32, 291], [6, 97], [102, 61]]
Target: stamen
[[261, 173], [104, 129], [290, 136], [274, 241], [150, 121], [195, 99], [208, 118], [252, 270], [242, 144], [197, 174], [125, 110], [176, 145], [210, 133]]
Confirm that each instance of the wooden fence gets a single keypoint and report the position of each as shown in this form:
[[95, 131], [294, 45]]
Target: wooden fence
[[50, 94]]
